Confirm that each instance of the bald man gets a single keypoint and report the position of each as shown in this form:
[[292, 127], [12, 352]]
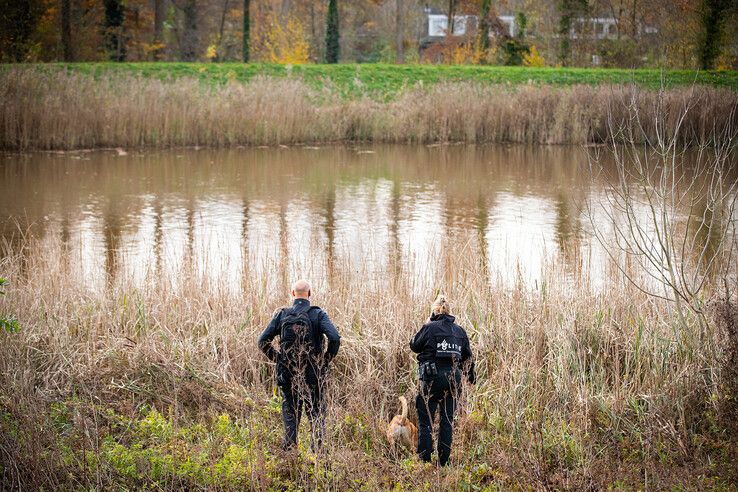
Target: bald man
[[302, 361]]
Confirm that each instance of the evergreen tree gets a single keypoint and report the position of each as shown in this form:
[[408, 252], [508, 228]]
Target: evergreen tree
[[712, 18], [564, 31], [246, 30], [484, 25], [569, 10], [521, 23], [399, 33], [516, 47], [332, 36]]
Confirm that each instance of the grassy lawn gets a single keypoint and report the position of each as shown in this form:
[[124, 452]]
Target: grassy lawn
[[381, 80]]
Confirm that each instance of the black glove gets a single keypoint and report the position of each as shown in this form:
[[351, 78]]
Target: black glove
[[269, 351]]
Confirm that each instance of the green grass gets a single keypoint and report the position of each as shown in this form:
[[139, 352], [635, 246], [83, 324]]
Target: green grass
[[382, 80]]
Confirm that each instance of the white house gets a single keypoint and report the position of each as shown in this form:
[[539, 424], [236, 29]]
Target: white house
[[437, 24], [599, 27]]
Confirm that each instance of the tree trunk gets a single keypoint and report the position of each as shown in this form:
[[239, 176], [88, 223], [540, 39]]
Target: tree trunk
[[451, 16], [565, 8], [218, 56], [315, 47], [484, 25], [66, 30], [616, 16], [189, 36], [246, 30], [619, 22], [160, 14], [712, 19], [634, 25], [399, 31], [284, 11]]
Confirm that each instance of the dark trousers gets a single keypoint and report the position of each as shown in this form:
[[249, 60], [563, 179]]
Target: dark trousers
[[438, 393], [302, 394]]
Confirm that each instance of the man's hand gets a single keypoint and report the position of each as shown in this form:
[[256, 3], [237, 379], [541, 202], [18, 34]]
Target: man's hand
[[270, 333]]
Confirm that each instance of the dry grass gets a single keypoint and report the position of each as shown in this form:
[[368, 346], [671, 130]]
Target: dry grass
[[55, 109], [577, 389]]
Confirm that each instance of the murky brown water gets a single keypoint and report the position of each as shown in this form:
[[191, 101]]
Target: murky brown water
[[272, 214]]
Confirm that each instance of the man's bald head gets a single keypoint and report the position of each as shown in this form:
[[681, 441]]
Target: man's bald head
[[301, 289]]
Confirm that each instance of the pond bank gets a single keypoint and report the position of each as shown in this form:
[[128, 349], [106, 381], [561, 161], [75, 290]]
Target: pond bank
[[62, 110]]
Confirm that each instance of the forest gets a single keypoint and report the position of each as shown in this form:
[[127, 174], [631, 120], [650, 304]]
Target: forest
[[607, 33]]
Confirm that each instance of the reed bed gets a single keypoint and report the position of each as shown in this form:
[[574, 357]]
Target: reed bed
[[58, 110], [134, 386]]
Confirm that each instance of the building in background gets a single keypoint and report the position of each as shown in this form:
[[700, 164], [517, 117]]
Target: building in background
[[585, 32]]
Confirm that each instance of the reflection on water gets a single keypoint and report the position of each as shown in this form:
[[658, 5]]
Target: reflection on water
[[270, 215]]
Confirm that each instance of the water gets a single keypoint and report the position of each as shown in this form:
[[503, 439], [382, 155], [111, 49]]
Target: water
[[273, 214]]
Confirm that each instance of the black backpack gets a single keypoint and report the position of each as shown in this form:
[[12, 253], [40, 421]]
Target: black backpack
[[297, 341]]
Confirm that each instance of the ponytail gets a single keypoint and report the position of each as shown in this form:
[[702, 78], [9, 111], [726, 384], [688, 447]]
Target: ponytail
[[440, 305]]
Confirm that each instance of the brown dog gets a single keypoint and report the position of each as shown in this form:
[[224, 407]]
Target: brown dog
[[401, 430]]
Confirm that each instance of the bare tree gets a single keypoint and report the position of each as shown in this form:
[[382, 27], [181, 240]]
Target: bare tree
[[672, 205], [246, 41], [627, 16], [160, 13], [188, 39], [221, 29], [451, 17], [284, 11], [399, 32]]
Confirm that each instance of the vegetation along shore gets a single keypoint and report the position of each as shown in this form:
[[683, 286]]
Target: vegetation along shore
[[579, 388], [56, 107]]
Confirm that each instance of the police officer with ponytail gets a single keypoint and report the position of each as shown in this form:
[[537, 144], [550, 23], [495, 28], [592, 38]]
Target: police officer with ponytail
[[444, 358]]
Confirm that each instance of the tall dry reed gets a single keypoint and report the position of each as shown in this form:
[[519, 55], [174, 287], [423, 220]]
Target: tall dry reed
[[54, 109], [577, 388]]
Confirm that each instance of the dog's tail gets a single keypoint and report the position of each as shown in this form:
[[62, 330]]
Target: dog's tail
[[403, 402]]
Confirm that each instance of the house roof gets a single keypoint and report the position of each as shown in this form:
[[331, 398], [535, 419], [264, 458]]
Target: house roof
[[437, 11]]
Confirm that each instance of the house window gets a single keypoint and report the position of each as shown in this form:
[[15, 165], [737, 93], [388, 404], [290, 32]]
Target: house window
[[437, 25], [459, 26]]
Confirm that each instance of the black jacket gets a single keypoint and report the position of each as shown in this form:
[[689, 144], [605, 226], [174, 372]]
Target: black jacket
[[444, 342], [321, 323]]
